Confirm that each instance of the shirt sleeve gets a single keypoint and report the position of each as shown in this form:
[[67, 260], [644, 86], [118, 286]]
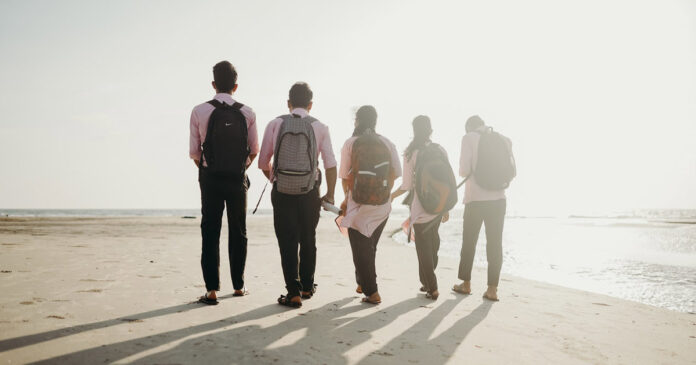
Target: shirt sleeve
[[266, 151], [345, 167], [407, 181], [326, 150], [396, 161], [195, 137], [465, 157], [253, 135]]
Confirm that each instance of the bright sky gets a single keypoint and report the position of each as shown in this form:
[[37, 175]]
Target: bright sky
[[599, 97]]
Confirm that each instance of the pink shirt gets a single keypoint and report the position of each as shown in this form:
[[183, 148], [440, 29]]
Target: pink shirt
[[418, 214], [467, 165], [365, 218], [321, 133], [199, 126]]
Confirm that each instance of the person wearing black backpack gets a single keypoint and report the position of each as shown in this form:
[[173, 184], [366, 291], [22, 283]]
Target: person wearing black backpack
[[294, 142], [369, 165], [488, 164], [429, 180], [223, 143]]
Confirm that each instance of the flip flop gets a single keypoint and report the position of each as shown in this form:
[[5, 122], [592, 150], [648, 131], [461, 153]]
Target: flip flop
[[285, 300], [489, 298], [205, 300], [460, 290], [309, 294], [243, 293]]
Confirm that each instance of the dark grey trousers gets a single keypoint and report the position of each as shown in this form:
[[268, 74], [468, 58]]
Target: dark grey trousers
[[491, 214]]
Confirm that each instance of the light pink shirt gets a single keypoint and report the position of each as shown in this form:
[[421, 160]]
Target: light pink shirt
[[418, 214], [270, 135], [199, 126], [365, 218], [467, 165]]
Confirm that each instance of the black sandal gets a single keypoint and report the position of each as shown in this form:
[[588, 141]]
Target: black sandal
[[309, 294], [286, 301], [205, 300]]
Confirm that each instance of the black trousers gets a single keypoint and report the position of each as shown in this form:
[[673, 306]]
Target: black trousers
[[427, 245], [492, 214], [216, 193], [295, 218], [364, 252]]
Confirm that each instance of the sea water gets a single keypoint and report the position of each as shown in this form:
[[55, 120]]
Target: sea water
[[649, 259]]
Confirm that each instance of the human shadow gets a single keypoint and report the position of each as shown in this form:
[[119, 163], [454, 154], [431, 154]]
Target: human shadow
[[28, 340], [121, 350], [415, 345], [316, 337]]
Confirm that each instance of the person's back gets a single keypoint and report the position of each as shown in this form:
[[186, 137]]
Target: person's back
[[223, 143], [294, 143], [429, 180], [364, 222], [482, 206]]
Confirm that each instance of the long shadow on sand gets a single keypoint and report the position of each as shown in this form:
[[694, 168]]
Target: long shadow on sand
[[28, 340], [415, 345], [121, 350], [319, 340]]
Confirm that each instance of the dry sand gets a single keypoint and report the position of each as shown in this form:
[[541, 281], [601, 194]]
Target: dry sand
[[120, 290]]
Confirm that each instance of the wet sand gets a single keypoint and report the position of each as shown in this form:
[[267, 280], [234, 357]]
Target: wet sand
[[123, 290]]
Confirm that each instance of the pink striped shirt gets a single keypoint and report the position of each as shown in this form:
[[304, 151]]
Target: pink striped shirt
[[270, 135], [199, 126]]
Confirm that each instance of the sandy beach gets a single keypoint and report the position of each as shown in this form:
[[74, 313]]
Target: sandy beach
[[123, 290]]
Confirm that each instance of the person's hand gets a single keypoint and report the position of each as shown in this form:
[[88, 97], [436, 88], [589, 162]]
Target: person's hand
[[445, 217]]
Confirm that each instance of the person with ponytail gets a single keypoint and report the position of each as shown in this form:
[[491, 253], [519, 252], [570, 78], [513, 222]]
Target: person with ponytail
[[364, 222], [421, 226]]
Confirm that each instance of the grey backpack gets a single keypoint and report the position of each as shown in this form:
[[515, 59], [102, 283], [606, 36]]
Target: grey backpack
[[295, 156]]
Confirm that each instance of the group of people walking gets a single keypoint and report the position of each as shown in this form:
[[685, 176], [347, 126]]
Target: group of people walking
[[224, 143]]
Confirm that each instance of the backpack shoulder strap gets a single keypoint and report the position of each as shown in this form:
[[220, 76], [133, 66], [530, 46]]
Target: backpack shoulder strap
[[237, 105], [216, 103]]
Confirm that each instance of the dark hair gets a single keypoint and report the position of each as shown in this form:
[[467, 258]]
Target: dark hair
[[366, 118], [473, 123], [421, 135], [225, 77], [300, 95]]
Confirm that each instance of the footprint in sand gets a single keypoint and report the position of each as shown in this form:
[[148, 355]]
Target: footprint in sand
[[90, 291], [55, 316], [27, 302], [97, 280], [602, 304], [5, 271]]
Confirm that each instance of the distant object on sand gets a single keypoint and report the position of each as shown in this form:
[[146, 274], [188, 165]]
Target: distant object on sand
[[188, 217]]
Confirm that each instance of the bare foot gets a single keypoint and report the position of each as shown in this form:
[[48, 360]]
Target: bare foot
[[463, 288], [358, 289], [491, 294], [373, 299], [211, 295]]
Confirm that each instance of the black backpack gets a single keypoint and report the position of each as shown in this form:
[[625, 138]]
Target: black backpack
[[495, 165], [226, 146], [434, 182]]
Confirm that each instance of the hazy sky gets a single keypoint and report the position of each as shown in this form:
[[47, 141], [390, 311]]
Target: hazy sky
[[599, 97]]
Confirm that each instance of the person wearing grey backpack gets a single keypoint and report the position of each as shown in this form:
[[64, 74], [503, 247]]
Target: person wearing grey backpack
[[294, 141]]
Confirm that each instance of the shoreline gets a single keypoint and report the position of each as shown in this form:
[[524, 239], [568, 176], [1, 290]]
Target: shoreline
[[86, 281]]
